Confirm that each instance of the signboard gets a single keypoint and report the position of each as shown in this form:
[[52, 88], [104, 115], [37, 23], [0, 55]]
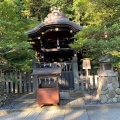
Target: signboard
[[86, 63]]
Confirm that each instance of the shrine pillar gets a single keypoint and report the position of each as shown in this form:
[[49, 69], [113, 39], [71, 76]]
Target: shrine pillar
[[34, 78], [75, 72], [35, 84]]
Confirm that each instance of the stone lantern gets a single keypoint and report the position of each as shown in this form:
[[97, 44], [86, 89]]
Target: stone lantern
[[108, 85]]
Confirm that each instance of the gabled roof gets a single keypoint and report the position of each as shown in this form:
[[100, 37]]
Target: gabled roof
[[105, 59]]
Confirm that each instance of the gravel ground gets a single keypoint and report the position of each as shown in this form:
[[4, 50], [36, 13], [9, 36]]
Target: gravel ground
[[90, 99], [10, 102], [76, 94]]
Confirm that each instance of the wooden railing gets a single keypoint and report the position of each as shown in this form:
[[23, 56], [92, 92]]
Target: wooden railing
[[66, 66], [20, 83], [90, 82]]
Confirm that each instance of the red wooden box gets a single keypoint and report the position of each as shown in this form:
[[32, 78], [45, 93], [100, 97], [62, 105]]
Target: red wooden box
[[47, 96]]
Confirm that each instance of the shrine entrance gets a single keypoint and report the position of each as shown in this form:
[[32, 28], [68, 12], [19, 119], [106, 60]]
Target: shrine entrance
[[51, 41]]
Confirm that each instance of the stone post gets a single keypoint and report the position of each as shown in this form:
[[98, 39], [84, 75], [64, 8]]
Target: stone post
[[75, 72], [35, 84], [20, 81], [35, 81], [35, 62]]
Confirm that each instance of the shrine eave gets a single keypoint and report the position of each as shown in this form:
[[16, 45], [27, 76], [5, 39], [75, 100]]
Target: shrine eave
[[59, 23], [56, 49]]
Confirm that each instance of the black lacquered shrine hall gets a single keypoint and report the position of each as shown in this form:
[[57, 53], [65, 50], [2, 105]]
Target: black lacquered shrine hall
[[51, 38], [51, 41]]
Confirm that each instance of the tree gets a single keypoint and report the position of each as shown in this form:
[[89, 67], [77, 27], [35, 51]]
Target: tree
[[16, 17], [64, 5], [41, 8], [102, 36], [14, 22]]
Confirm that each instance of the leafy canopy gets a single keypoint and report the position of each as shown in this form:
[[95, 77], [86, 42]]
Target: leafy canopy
[[102, 34], [14, 53], [100, 37]]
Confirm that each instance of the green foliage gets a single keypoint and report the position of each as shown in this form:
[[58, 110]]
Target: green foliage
[[41, 8], [13, 79], [102, 34], [13, 44], [92, 39], [85, 12], [100, 37], [64, 5], [79, 8]]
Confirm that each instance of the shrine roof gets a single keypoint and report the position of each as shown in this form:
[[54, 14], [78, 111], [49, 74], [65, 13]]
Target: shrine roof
[[50, 71], [55, 19]]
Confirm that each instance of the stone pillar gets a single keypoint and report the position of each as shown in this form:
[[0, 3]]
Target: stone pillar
[[35, 61], [35, 79], [75, 72], [20, 82], [35, 83]]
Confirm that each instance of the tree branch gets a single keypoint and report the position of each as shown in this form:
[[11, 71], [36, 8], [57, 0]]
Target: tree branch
[[10, 51]]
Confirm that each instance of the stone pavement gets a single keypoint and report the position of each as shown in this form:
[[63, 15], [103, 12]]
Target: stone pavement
[[69, 109]]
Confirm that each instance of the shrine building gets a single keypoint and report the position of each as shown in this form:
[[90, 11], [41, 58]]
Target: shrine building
[[51, 41]]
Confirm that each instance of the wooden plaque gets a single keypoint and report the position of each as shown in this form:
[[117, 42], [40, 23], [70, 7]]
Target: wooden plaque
[[86, 63]]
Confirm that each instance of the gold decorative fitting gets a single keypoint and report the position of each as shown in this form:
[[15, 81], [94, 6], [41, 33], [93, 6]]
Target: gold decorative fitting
[[24, 72], [71, 31], [32, 43], [42, 33], [38, 37], [55, 13], [30, 38], [75, 54], [31, 76], [56, 29]]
